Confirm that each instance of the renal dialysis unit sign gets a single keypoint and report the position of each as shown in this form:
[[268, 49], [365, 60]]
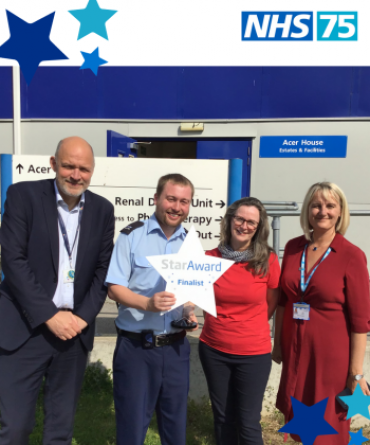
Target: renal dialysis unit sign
[[130, 184], [303, 146]]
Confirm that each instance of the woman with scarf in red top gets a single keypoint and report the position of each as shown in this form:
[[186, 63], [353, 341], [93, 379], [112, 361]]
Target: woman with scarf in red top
[[323, 354], [235, 347]]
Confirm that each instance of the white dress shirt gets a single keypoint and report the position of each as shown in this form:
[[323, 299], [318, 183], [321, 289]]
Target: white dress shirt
[[63, 297]]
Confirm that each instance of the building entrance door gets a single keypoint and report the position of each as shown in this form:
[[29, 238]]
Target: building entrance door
[[184, 148], [229, 150]]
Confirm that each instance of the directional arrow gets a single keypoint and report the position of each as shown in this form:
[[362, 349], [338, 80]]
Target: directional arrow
[[221, 204], [219, 219], [20, 168]]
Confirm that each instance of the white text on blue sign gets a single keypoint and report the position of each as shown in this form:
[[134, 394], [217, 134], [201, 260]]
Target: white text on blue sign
[[299, 26]]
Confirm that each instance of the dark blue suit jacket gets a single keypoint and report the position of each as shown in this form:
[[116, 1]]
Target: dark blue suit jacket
[[30, 256]]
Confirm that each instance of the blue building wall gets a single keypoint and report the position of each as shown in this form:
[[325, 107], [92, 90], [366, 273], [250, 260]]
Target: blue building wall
[[196, 93], [6, 96]]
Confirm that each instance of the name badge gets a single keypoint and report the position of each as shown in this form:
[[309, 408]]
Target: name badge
[[68, 276], [301, 311]]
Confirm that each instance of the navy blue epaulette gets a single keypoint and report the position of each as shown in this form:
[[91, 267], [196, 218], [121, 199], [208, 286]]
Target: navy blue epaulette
[[135, 225]]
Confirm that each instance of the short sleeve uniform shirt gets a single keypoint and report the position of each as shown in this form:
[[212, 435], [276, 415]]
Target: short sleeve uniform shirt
[[130, 268]]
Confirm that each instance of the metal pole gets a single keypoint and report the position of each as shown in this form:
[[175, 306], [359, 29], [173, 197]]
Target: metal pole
[[274, 212], [17, 146], [6, 178], [235, 180], [276, 233], [6, 181], [276, 245], [280, 205]]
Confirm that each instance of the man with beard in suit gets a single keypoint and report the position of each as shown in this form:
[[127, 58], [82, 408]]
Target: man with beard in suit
[[56, 242]]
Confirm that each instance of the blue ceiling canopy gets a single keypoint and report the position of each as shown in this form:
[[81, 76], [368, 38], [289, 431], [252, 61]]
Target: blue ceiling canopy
[[197, 93]]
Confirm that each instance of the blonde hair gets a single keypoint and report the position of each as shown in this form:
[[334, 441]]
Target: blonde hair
[[328, 190]]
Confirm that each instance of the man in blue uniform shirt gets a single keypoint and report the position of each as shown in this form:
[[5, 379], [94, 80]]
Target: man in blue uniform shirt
[[151, 360]]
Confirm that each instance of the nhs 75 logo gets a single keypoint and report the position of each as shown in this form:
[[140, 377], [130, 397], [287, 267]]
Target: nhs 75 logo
[[277, 25], [295, 26]]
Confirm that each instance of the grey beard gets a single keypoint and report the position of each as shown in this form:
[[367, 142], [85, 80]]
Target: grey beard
[[66, 192]]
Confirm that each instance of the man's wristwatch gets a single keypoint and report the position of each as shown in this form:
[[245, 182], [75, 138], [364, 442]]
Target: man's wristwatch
[[357, 377]]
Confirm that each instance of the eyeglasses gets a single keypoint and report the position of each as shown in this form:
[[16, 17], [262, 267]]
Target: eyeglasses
[[240, 221]]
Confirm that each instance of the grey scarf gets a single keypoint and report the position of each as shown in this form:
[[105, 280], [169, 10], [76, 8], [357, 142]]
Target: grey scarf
[[239, 257]]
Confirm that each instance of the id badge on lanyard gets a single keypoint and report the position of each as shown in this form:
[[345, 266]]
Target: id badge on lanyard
[[301, 310], [69, 274]]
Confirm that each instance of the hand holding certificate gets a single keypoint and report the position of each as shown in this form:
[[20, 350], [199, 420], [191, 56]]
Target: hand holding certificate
[[191, 272]]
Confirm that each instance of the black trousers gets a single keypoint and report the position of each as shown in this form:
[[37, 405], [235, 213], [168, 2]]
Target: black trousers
[[236, 385], [21, 375], [146, 380]]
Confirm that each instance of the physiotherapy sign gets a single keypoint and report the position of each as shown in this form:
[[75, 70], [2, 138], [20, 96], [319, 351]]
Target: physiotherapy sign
[[303, 146], [299, 26]]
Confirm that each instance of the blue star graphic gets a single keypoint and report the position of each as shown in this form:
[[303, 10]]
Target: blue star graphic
[[357, 403], [92, 19], [92, 61], [29, 44], [308, 421], [357, 438]]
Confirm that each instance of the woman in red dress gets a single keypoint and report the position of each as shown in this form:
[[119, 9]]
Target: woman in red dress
[[235, 347], [322, 355]]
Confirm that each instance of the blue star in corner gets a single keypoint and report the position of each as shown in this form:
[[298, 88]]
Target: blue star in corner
[[92, 19], [356, 438], [308, 421], [29, 44], [92, 61], [357, 403]]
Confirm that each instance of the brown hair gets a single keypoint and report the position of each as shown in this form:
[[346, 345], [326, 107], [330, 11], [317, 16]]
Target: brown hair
[[260, 261], [175, 178]]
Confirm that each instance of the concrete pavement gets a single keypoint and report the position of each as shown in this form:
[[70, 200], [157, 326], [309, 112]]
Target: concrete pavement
[[106, 340]]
